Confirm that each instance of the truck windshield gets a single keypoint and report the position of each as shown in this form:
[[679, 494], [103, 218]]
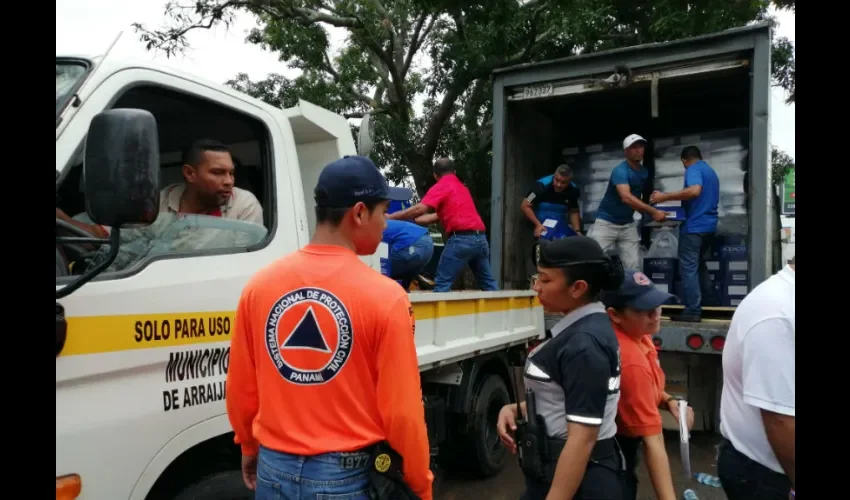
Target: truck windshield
[[68, 74]]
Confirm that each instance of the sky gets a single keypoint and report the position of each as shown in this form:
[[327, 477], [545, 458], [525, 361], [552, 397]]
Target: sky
[[88, 27]]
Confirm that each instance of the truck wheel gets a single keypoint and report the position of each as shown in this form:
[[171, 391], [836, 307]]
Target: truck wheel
[[219, 486], [483, 444]]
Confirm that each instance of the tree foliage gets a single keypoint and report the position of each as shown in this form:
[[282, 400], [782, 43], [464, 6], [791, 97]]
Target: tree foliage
[[782, 163], [441, 53], [782, 57]]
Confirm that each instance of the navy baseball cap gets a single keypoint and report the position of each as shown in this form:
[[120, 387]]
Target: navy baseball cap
[[351, 179], [637, 292], [571, 251]]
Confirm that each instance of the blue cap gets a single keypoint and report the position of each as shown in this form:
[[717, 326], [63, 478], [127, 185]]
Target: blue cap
[[351, 179], [637, 292]]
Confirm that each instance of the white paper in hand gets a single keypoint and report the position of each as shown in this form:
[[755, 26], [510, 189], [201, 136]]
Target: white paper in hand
[[548, 224], [684, 437]]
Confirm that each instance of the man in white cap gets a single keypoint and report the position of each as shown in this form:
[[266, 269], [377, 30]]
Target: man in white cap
[[614, 226]]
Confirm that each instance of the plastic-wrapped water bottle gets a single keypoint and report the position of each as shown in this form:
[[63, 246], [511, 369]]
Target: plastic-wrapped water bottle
[[689, 495], [707, 479]]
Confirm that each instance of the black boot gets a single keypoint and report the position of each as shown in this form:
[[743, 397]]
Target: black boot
[[686, 318]]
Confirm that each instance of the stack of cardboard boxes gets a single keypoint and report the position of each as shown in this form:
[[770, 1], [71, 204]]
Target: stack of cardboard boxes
[[726, 151], [733, 257], [728, 275]]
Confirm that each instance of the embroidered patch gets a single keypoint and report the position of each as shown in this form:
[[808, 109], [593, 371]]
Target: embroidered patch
[[641, 279]]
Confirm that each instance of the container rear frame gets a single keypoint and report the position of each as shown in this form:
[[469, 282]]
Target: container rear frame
[[756, 40]]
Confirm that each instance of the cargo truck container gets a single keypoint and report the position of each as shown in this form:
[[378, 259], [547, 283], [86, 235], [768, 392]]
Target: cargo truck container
[[712, 91]]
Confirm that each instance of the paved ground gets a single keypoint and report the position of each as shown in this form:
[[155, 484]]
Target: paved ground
[[509, 484]]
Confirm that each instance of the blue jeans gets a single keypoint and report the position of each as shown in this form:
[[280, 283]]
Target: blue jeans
[[460, 250], [693, 249], [330, 476], [406, 264]]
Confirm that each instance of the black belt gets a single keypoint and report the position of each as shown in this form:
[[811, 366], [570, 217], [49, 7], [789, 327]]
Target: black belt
[[604, 448], [465, 233]]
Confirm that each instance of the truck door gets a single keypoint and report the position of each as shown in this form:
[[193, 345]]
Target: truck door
[[147, 347]]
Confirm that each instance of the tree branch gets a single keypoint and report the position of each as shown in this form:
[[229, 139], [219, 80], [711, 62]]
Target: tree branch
[[417, 40], [173, 39], [310, 16], [360, 114], [329, 69], [439, 118]]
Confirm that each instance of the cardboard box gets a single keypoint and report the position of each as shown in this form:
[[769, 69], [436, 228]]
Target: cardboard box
[[736, 272], [715, 270], [673, 210], [730, 247], [662, 272], [733, 294]]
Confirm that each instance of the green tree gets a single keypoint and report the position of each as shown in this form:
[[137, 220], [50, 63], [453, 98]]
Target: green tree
[[782, 57], [440, 51], [782, 163]]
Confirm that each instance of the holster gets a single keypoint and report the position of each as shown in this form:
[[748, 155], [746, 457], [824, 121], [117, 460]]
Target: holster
[[386, 473], [534, 450], [550, 449]]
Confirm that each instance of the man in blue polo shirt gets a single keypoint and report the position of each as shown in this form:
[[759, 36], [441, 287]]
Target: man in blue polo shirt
[[410, 250], [615, 224], [699, 200], [556, 198]]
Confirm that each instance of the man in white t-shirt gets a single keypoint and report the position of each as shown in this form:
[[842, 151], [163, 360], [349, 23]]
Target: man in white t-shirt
[[757, 457]]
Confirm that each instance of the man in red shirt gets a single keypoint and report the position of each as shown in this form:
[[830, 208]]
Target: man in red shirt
[[467, 242]]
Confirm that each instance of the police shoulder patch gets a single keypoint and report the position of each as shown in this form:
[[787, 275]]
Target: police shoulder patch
[[309, 336]]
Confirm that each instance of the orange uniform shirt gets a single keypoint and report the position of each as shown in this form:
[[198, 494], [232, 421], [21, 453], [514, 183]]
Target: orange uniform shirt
[[641, 387], [323, 360]]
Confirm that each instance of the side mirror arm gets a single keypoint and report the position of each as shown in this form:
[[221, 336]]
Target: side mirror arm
[[114, 240]]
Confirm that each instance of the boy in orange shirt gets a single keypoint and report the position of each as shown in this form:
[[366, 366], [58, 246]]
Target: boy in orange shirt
[[322, 362], [635, 311]]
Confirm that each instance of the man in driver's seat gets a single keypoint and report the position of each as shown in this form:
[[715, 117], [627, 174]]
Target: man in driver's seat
[[208, 190]]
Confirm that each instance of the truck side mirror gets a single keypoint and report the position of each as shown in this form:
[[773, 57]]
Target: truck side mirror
[[121, 168], [121, 184]]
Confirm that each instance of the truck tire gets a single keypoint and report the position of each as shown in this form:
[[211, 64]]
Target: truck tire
[[219, 486], [485, 453]]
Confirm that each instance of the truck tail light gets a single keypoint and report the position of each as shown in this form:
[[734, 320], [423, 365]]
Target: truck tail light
[[717, 343], [695, 341], [656, 341], [68, 487]]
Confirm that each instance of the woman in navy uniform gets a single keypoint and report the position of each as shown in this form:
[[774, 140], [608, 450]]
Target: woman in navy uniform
[[575, 380]]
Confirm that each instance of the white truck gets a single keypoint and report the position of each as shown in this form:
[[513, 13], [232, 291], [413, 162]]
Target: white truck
[[142, 352]]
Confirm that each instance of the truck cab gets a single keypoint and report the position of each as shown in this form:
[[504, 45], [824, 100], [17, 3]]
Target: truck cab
[[130, 314]]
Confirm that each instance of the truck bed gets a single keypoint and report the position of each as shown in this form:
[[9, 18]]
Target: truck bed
[[457, 325]]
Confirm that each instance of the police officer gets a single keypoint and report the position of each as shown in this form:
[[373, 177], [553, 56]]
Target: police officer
[[323, 387], [566, 438]]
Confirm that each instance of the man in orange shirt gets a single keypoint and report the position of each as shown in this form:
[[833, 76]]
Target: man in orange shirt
[[635, 311], [323, 364]]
